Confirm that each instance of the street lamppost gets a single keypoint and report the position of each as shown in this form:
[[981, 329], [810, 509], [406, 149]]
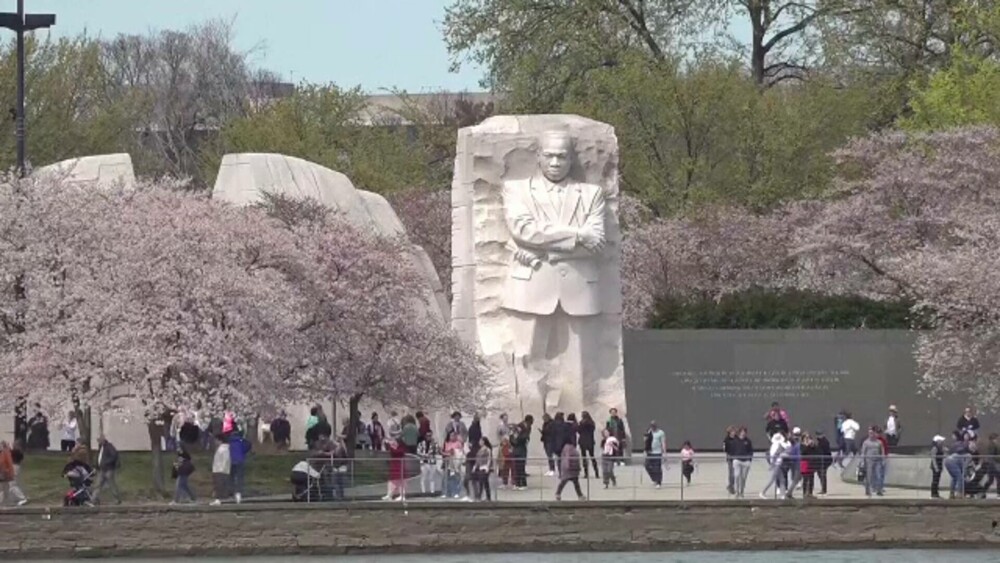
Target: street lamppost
[[19, 23]]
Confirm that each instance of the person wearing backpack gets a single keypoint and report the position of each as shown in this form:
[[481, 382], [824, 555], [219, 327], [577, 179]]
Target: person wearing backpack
[[183, 468], [239, 447], [569, 465]]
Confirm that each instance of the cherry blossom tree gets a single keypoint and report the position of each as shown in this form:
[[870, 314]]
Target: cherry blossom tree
[[718, 251], [426, 214], [911, 216], [367, 332], [168, 298], [916, 215]]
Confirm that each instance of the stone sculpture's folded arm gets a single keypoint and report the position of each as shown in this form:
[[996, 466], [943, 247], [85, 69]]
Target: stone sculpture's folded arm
[[529, 231]]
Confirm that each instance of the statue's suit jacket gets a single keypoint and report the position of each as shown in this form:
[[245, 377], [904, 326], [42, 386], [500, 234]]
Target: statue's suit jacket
[[566, 274]]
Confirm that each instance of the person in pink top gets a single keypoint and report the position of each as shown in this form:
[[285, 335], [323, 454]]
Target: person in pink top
[[687, 461], [776, 408], [228, 422]]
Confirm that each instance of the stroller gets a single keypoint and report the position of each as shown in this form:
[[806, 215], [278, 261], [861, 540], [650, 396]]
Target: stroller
[[81, 479], [306, 481]]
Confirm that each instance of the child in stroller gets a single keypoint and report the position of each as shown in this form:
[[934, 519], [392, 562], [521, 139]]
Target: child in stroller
[[81, 479]]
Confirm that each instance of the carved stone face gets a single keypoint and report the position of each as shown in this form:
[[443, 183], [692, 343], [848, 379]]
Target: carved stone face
[[555, 158]]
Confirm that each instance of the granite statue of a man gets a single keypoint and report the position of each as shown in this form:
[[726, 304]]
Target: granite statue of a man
[[552, 289]]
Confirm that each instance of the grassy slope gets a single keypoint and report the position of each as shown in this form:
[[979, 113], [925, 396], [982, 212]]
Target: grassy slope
[[267, 474]]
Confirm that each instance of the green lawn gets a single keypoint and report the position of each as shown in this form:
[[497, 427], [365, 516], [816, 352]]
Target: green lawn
[[267, 474]]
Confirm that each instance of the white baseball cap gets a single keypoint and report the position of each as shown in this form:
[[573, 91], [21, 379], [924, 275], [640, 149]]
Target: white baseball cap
[[796, 430]]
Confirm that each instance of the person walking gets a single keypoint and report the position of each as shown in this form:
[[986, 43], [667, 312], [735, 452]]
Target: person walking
[[585, 431], [8, 477], [776, 459], [183, 468], [741, 449], [239, 448], [17, 457], [108, 463], [609, 456], [655, 447], [222, 467], [873, 460], [937, 465], [569, 470], [850, 428]]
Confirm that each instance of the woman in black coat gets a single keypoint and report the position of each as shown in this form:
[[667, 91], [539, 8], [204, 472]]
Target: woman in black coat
[[585, 429]]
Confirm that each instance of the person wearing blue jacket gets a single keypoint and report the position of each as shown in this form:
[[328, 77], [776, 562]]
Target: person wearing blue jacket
[[239, 447]]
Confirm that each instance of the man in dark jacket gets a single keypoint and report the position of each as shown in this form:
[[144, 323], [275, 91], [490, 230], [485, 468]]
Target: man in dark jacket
[[108, 463], [281, 431], [937, 465], [825, 461]]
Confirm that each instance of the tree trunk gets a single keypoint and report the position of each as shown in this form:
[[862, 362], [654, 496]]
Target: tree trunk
[[352, 429], [86, 427], [155, 429], [252, 431], [758, 53], [21, 421]]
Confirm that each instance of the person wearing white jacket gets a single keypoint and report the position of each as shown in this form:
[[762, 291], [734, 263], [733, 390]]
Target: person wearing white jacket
[[221, 467], [779, 447]]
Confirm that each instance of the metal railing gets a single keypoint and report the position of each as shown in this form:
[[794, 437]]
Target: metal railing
[[638, 478]]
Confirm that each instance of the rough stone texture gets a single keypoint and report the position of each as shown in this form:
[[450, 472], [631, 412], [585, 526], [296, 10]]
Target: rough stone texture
[[101, 170], [244, 177], [390, 528], [501, 149]]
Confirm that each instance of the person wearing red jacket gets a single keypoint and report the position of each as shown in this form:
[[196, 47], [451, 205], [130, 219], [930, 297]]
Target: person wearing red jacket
[[397, 470]]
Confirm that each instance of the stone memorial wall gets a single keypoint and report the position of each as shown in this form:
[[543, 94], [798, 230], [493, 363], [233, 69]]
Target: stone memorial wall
[[696, 382]]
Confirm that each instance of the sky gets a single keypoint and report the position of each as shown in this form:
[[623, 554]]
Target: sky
[[377, 44]]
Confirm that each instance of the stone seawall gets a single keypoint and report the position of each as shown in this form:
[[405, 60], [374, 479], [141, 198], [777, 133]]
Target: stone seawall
[[387, 528]]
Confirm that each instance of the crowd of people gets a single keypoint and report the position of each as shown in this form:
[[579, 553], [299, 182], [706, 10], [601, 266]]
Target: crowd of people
[[465, 463]]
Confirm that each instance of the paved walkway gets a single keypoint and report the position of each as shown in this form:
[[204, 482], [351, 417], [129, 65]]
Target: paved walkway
[[707, 483]]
